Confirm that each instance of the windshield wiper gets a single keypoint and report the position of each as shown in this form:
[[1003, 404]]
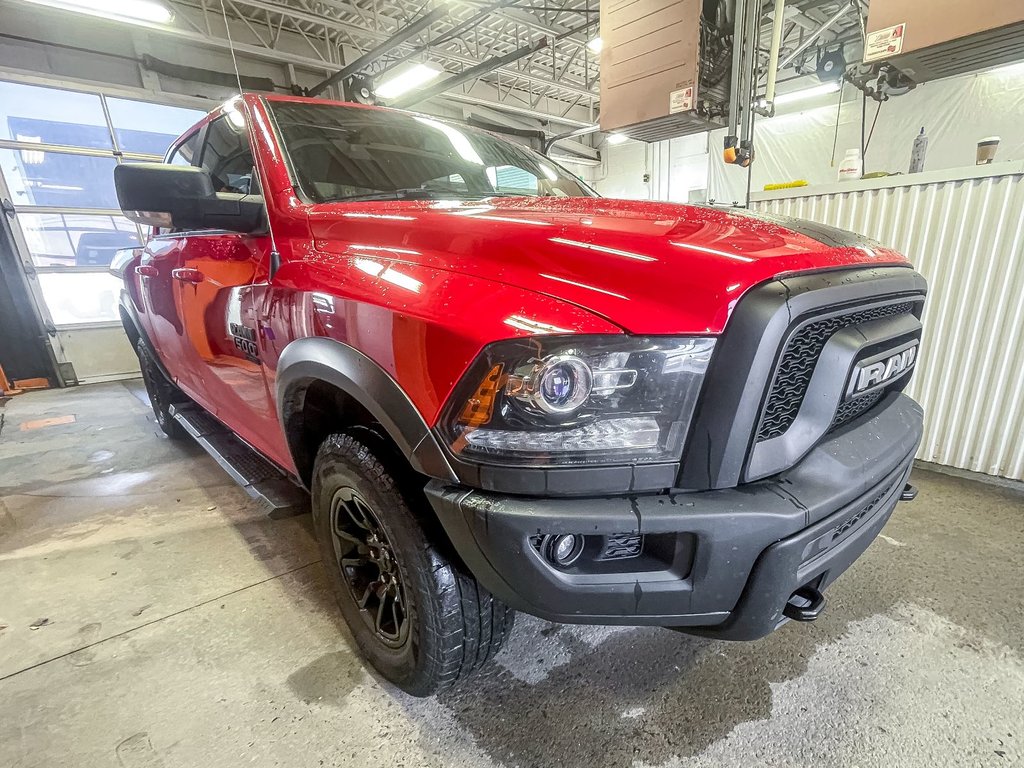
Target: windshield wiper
[[418, 193]]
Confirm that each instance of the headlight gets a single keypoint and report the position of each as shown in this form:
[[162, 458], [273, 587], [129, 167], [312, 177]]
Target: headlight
[[577, 400]]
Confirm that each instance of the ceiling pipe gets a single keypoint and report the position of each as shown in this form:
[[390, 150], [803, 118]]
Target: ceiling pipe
[[367, 58], [773, 55], [468, 74], [583, 131]]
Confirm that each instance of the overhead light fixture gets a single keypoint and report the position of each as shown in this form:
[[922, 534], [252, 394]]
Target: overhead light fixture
[[570, 160], [617, 138], [807, 93], [30, 156], [1017, 68], [595, 45], [406, 80], [135, 11]]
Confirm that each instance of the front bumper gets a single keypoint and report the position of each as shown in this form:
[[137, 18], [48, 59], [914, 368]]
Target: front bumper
[[723, 563]]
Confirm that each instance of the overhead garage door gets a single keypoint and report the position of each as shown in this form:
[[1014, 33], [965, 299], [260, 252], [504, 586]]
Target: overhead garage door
[[58, 150]]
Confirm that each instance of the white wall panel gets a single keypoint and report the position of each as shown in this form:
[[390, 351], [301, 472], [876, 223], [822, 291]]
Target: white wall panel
[[966, 236]]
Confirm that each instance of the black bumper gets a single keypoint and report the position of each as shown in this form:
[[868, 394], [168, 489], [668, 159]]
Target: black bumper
[[722, 563]]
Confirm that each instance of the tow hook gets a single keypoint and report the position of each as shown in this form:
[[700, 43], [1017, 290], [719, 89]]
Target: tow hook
[[909, 492], [814, 604]]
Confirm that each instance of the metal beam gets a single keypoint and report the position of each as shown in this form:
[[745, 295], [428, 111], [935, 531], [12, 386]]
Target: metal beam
[[403, 34], [812, 38], [470, 74], [55, 17], [353, 30], [458, 29], [464, 98]]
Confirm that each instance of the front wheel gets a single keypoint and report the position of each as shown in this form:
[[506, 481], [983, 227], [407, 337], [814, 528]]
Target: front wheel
[[162, 393], [419, 618]]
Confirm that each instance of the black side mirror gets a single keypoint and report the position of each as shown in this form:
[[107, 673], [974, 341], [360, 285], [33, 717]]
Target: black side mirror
[[182, 197]]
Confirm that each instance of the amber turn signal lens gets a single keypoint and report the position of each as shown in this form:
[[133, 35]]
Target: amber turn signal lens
[[480, 406]]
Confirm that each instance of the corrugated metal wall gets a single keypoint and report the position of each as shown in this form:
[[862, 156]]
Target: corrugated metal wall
[[967, 237]]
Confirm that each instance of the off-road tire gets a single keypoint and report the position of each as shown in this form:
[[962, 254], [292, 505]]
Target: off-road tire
[[454, 624], [162, 393]]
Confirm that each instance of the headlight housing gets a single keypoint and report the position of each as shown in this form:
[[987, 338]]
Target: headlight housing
[[577, 400]]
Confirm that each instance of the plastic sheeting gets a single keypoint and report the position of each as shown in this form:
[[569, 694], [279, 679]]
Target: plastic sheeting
[[956, 113], [966, 236]]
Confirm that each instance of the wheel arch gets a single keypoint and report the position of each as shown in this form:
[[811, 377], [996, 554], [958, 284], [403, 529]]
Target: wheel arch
[[363, 391]]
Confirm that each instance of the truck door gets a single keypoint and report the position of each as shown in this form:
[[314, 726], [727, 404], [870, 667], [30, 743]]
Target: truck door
[[221, 281], [160, 310]]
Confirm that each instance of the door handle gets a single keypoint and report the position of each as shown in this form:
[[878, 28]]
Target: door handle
[[187, 275], [147, 270]]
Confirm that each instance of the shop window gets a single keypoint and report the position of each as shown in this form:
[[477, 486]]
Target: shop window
[[149, 128], [76, 240], [59, 180], [50, 116]]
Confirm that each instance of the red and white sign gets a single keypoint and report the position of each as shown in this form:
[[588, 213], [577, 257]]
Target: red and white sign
[[681, 100], [884, 43]]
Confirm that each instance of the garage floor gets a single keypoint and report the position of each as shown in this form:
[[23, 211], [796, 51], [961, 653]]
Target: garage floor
[[151, 616]]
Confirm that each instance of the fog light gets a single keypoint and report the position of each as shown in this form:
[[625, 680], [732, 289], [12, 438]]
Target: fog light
[[563, 550]]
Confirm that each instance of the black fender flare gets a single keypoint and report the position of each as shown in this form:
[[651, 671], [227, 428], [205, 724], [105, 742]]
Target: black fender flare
[[318, 359], [130, 317]]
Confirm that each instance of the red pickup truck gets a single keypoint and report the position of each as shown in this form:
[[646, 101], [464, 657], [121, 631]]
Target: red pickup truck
[[504, 392]]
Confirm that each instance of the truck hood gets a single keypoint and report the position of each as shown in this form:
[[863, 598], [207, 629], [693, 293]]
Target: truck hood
[[648, 267]]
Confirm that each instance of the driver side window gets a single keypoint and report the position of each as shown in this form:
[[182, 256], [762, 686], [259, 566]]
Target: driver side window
[[228, 157]]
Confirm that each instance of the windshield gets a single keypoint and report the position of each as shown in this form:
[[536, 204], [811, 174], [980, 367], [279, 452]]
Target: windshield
[[353, 153]]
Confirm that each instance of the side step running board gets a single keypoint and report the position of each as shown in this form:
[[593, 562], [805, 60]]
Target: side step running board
[[257, 476]]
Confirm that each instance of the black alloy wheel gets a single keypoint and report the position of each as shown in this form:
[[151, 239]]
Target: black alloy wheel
[[416, 614], [369, 567]]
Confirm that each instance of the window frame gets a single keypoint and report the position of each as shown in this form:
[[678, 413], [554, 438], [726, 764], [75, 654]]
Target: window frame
[[204, 143], [199, 135], [24, 253]]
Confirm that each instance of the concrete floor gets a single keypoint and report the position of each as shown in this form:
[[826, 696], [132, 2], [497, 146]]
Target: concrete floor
[[180, 626]]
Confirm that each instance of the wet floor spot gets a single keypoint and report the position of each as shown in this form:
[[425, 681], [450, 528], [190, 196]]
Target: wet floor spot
[[328, 679]]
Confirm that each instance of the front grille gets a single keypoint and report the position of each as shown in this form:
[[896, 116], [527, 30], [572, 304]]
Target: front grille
[[797, 364], [863, 513], [851, 409], [620, 546]]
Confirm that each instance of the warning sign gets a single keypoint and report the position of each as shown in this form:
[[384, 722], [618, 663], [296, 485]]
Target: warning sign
[[681, 100], [884, 43]]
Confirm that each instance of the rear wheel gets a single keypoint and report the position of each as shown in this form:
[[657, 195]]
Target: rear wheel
[[162, 393], [418, 617]]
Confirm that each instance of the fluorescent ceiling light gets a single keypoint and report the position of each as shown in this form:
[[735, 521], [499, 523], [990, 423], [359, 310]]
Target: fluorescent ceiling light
[[1009, 69], [407, 80], [617, 138], [121, 10], [30, 156], [570, 160], [595, 45], [806, 93]]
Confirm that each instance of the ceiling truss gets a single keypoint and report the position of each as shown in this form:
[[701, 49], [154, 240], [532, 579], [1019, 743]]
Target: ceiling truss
[[553, 80], [558, 81]]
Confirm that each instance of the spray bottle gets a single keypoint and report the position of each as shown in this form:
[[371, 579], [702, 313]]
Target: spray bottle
[[918, 152]]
